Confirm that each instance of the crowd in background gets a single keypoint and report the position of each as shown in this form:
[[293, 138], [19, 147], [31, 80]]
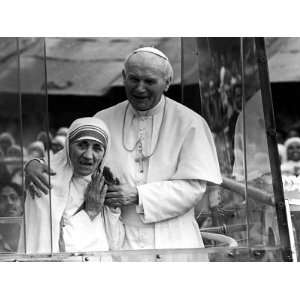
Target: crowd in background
[[12, 159]]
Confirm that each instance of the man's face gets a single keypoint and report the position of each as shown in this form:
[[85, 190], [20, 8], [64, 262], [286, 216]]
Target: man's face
[[11, 203], [293, 152], [85, 156], [145, 80]]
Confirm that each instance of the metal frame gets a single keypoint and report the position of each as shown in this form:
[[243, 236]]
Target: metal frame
[[269, 117]]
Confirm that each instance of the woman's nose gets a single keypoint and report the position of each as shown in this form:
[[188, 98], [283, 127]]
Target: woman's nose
[[88, 153]]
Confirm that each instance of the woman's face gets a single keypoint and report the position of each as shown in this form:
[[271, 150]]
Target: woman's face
[[85, 156]]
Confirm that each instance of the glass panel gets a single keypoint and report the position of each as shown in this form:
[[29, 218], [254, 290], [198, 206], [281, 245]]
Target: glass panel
[[262, 216], [217, 76], [11, 154], [287, 129], [35, 128], [247, 217], [82, 70]]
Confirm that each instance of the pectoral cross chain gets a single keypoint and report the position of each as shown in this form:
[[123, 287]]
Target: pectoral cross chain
[[140, 159]]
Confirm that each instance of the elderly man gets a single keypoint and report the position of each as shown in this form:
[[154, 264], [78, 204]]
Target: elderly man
[[162, 153]]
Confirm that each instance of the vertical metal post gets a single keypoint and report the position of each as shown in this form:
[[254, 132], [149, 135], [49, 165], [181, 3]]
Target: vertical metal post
[[244, 139], [182, 69], [48, 140], [272, 147], [291, 233], [21, 134]]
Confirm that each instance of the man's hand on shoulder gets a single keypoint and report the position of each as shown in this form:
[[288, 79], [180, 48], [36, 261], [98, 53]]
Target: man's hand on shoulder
[[36, 178]]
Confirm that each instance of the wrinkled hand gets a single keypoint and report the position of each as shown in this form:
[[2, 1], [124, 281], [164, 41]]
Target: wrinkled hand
[[36, 178], [121, 195], [95, 195]]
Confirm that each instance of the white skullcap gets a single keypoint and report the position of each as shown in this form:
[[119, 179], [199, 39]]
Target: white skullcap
[[169, 70], [150, 50]]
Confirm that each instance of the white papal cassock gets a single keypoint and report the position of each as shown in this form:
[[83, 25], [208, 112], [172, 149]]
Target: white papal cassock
[[171, 181]]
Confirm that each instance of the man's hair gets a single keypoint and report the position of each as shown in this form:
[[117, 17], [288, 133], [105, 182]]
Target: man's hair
[[168, 70]]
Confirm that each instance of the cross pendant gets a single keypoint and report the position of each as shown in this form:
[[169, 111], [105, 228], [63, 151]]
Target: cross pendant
[[140, 159]]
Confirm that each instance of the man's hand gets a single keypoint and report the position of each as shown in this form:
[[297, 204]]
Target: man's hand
[[121, 195], [95, 195], [36, 178]]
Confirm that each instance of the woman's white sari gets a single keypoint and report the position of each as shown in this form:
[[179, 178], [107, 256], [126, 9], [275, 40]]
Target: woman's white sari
[[55, 223]]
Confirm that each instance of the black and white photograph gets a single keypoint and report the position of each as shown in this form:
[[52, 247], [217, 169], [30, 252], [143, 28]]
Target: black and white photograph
[[149, 151]]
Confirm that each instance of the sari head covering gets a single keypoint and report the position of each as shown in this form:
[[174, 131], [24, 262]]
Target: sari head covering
[[83, 128]]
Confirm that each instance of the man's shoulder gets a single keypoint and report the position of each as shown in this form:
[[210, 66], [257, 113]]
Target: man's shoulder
[[115, 109], [183, 112]]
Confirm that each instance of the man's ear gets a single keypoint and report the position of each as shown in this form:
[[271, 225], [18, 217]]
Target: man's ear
[[168, 83], [123, 75]]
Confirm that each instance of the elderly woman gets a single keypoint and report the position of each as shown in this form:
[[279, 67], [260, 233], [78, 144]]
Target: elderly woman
[[77, 224]]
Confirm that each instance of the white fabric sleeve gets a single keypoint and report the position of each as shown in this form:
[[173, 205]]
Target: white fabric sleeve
[[162, 200], [114, 227]]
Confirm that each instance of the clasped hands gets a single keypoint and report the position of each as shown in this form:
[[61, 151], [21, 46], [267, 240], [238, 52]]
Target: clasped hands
[[99, 192]]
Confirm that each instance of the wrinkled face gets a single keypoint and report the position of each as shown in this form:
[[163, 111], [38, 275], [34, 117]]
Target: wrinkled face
[[293, 152], [85, 156], [145, 80], [11, 203]]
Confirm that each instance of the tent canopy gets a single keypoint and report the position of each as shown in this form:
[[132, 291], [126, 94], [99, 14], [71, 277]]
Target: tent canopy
[[91, 66]]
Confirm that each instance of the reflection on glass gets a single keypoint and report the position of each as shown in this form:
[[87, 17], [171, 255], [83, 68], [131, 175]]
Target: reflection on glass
[[34, 110], [261, 209], [248, 217], [11, 152]]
